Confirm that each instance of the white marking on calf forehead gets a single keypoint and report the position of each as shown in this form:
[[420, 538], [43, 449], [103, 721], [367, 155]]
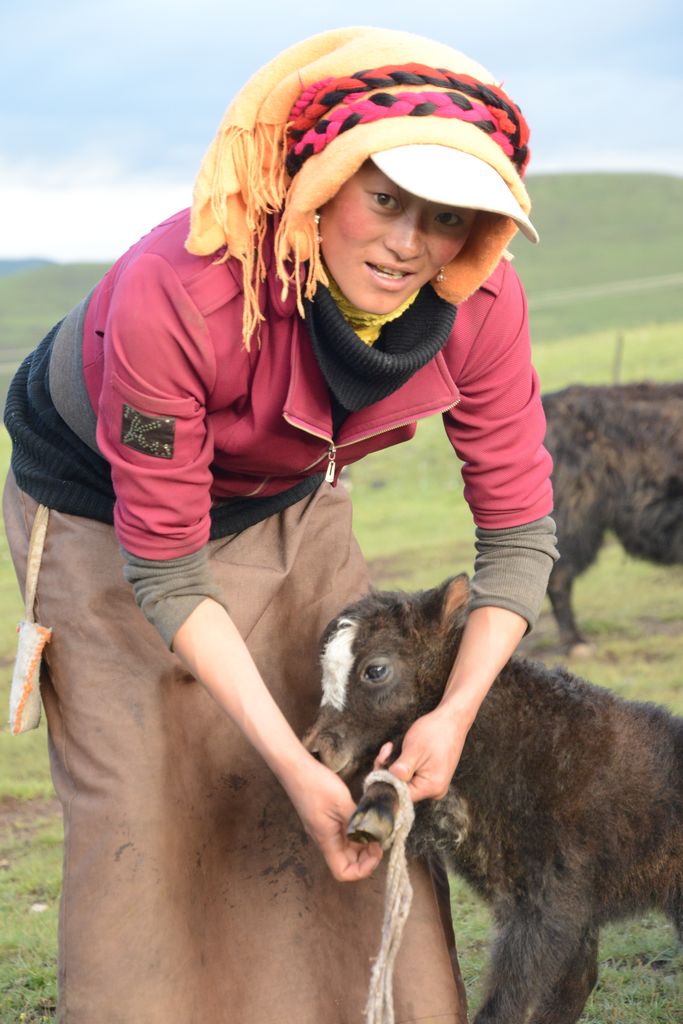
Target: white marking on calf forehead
[[337, 662]]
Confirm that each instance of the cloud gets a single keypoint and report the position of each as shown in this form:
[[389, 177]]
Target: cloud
[[70, 213], [113, 106]]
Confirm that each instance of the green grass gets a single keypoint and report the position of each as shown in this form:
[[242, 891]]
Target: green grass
[[30, 840], [30, 873], [650, 352], [589, 315]]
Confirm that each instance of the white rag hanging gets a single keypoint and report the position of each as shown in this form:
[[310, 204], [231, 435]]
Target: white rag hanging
[[24, 701]]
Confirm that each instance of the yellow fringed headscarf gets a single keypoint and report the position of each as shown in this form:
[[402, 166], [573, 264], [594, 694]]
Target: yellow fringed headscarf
[[243, 181]]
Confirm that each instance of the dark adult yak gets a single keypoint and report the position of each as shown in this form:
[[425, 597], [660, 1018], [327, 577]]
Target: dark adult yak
[[618, 454]]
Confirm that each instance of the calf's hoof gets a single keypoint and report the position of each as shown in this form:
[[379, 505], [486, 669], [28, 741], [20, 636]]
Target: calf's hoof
[[582, 649], [374, 818]]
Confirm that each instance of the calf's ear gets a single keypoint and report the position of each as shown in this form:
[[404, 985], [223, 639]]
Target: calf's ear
[[440, 605], [456, 594]]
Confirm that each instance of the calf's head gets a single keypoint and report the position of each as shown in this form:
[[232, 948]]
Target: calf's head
[[385, 661]]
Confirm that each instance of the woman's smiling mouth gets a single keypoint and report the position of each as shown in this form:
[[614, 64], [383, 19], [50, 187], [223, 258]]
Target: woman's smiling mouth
[[387, 273]]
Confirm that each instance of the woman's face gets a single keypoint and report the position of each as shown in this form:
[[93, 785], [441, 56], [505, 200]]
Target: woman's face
[[381, 244]]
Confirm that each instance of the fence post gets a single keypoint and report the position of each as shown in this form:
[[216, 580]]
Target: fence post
[[618, 354]]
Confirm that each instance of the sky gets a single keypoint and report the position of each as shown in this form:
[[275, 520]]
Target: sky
[[107, 108]]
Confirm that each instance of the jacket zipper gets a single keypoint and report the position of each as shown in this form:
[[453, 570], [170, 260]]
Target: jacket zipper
[[331, 463], [331, 452]]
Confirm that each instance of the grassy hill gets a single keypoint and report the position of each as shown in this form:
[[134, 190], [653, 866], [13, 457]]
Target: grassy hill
[[610, 255], [32, 300], [14, 266]]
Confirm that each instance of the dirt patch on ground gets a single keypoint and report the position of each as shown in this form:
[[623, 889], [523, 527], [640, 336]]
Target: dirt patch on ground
[[17, 816], [667, 627], [398, 570], [543, 643], [386, 572]]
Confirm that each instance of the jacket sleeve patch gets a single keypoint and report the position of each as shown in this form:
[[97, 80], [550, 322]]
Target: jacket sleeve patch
[[151, 435]]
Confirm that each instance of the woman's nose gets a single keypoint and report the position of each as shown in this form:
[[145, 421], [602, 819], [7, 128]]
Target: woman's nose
[[405, 238]]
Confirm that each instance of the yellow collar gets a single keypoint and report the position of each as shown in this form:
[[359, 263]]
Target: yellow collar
[[366, 325]]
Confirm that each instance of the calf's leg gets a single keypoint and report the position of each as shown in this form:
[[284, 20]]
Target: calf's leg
[[565, 1004], [530, 957]]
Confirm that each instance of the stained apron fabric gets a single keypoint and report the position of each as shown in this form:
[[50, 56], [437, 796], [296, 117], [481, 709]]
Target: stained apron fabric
[[190, 891]]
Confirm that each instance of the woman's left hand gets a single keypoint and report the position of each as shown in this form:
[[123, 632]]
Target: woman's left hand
[[429, 755], [433, 744]]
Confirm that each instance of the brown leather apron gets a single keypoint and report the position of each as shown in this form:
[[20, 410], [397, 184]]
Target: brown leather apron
[[191, 893]]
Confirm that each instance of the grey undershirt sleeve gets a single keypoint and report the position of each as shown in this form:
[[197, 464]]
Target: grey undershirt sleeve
[[511, 571], [167, 591], [512, 567]]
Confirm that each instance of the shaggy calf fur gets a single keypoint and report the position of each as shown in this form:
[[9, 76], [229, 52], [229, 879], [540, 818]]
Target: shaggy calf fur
[[565, 812], [618, 465]]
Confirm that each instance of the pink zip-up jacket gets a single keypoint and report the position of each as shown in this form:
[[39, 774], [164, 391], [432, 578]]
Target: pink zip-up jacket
[[187, 416]]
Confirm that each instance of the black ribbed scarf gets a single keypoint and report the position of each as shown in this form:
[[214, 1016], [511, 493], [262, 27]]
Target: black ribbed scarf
[[58, 469], [358, 374]]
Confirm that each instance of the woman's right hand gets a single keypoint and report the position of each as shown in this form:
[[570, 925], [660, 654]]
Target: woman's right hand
[[324, 804], [210, 646]]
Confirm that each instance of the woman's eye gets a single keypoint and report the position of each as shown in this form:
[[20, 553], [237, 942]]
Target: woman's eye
[[386, 201], [376, 673], [449, 219]]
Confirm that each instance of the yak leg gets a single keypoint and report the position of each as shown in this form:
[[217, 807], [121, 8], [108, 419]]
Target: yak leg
[[564, 1004], [560, 594], [529, 958], [675, 911]]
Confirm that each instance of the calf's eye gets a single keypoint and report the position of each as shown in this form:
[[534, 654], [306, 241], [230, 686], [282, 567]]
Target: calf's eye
[[376, 672]]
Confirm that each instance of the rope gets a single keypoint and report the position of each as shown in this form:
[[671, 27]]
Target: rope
[[397, 899], [24, 701], [35, 555]]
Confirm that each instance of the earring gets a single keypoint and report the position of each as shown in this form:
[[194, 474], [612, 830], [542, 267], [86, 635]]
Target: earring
[[441, 277], [318, 236]]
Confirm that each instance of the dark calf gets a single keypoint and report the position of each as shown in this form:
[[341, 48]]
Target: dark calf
[[618, 465], [566, 810]]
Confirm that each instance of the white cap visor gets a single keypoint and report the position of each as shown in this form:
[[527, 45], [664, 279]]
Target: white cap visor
[[454, 178]]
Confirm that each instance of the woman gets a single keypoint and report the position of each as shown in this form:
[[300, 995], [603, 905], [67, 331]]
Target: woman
[[203, 399]]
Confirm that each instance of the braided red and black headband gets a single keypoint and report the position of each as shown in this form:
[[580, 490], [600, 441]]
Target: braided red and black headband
[[335, 105]]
